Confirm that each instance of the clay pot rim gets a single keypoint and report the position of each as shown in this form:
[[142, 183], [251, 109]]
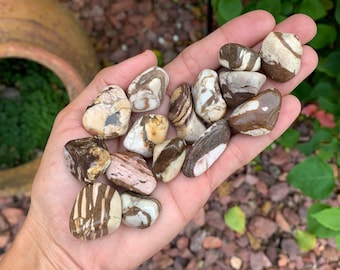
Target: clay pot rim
[[66, 72]]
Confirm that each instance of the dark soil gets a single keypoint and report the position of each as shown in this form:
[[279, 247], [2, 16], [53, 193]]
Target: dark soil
[[274, 210]]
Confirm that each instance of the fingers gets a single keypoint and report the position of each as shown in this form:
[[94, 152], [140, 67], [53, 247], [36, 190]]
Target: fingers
[[247, 29]]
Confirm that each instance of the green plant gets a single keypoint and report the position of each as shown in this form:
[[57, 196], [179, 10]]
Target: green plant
[[27, 116], [320, 96]]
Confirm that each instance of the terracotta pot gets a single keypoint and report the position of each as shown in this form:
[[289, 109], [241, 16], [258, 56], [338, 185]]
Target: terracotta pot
[[45, 32]]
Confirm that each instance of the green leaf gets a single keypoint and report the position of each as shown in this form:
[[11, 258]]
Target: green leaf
[[315, 227], [326, 35], [321, 136], [272, 6], [228, 9], [313, 177], [306, 241], [289, 138], [235, 218], [337, 12], [312, 8], [330, 218], [331, 64]]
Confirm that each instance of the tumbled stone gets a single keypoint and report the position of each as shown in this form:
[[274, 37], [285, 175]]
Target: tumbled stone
[[183, 116], [207, 149], [238, 57], [238, 86], [147, 90], [109, 113], [97, 211], [147, 131], [130, 171], [87, 158], [208, 101], [281, 55], [258, 115], [168, 158], [139, 211]]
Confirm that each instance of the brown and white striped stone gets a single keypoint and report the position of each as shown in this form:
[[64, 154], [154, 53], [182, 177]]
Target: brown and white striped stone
[[183, 116], [147, 131], [97, 211], [130, 171], [109, 113], [208, 101], [139, 211], [238, 57], [281, 55], [147, 90], [258, 115], [87, 158], [207, 149], [168, 158]]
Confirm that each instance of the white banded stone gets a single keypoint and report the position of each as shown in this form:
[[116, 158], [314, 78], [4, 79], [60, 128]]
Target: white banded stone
[[97, 211], [208, 101], [147, 131], [139, 211], [109, 113], [281, 55], [130, 171], [147, 90]]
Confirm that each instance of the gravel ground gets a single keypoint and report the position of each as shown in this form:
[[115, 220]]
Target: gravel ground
[[120, 29]]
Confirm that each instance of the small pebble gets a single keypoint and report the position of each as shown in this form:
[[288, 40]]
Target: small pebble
[[281, 55], [130, 171], [238, 57], [207, 149], [147, 131], [147, 90], [109, 114], [87, 158], [97, 211], [235, 262], [258, 115], [139, 211]]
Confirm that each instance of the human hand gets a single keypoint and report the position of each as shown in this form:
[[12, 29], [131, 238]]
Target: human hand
[[45, 240]]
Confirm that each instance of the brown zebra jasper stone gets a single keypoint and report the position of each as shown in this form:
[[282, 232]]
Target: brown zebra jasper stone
[[238, 86], [281, 56], [206, 94], [108, 115], [168, 158], [147, 131], [183, 116], [130, 171], [238, 57], [87, 158], [97, 211], [258, 115], [139, 211], [207, 149], [147, 90]]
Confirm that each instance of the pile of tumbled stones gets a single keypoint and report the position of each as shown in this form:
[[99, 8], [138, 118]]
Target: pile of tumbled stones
[[199, 115]]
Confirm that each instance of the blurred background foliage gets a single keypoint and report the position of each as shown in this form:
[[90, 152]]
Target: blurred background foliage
[[316, 132]]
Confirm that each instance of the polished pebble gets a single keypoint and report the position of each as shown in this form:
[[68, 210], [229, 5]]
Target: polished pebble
[[281, 55], [147, 90], [168, 158], [130, 171], [208, 101], [207, 149], [147, 131], [238, 57], [258, 115], [97, 211], [87, 158], [109, 114], [183, 116], [238, 86], [139, 211]]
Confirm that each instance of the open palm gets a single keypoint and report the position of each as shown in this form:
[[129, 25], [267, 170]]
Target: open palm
[[55, 189]]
